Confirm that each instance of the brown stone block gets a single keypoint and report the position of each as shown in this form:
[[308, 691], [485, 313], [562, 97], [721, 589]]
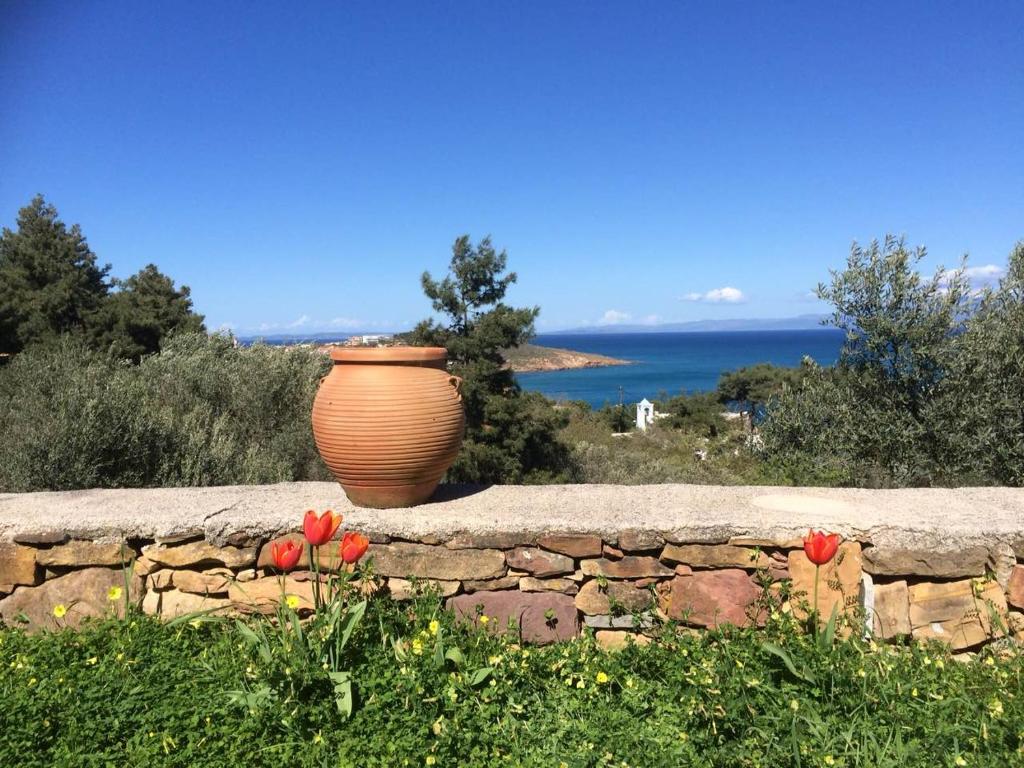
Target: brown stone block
[[958, 613], [595, 599], [715, 556], [174, 603], [839, 583], [160, 580], [1015, 587], [424, 561], [83, 593], [710, 598], [612, 553], [18, 565], [629, 567], [264, 595], [780, 542], [565, 586], [200, 553], [572, 545], [636, 540], [888, 561], [401, 589], [491, 585], [212, 582], [495, 540], [41, 537], [80, 554], [891, 614], [538, 617], [616, 640], [539, 562]]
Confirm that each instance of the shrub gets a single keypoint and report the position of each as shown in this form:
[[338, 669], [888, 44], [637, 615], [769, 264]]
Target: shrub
[[200, 412]]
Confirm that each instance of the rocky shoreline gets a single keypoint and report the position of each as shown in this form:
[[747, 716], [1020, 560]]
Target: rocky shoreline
[[531, 358]]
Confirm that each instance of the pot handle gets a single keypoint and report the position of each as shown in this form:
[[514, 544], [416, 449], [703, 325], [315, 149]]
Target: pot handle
[[456, 382]]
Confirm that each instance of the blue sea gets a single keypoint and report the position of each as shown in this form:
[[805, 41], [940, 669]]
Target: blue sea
[[670, 363]]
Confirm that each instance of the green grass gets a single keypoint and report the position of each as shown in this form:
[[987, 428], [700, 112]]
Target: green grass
[[140, 693]]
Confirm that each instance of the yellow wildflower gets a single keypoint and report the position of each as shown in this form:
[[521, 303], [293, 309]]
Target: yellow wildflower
[[114, 594], [292, 601], [434, 626], [484, 619], [794, 705], [601, 678], [995, 708], [959, 761], [417, 647], [60, 610], [431, 760]]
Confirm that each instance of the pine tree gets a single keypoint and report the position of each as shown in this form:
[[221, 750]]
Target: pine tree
[[50, 283], [510, 435]]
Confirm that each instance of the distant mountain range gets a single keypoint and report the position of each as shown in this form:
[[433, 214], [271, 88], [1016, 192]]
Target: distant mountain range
[[798, 323]]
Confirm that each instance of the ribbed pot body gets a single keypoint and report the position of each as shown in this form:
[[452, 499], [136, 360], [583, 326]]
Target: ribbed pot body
[[388, 422]]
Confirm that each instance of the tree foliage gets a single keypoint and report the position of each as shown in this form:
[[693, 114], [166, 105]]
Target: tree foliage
[[928, 387], [51, 286], [754, 386], [50, 281], [144, 310], [510, 435]]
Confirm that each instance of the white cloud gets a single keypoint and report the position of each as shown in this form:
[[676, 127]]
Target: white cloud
[[724, 295], [614, 317], [978, 278], [304, 320], [987, 273]]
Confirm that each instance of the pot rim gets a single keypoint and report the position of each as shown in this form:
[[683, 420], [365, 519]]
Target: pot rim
[[388, 354]]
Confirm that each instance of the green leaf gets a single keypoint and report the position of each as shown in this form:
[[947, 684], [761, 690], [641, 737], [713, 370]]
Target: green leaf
[[783, 654], [479, 676], [454, 655], [825, 639], [342, 692], [349, 621]]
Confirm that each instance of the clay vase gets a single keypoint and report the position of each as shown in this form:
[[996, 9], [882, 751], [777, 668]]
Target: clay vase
[[388, 422]]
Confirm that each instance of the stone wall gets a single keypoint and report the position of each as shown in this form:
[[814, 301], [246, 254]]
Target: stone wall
[[944, 564]]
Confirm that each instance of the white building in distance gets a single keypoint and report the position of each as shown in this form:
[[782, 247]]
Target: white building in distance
[[644, 414]]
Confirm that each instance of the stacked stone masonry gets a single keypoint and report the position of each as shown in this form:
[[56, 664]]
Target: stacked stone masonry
[[552, 561]]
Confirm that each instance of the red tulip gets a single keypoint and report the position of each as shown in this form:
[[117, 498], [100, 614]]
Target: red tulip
[[285, 554], [821, 547], [353, 546], [320, 530]]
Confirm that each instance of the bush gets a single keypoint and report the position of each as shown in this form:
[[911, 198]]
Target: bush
[[201, 412], [928, 387]]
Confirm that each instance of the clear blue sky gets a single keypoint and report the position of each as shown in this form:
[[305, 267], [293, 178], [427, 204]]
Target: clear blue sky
[[299, 165]]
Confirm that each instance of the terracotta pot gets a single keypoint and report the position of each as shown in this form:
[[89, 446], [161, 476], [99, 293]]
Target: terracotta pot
[[388, 422]]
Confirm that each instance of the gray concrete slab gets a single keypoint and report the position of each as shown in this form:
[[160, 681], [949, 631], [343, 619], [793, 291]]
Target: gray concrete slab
[[932, 519]]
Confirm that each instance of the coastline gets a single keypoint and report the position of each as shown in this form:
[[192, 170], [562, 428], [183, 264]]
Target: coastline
[[533, 358]]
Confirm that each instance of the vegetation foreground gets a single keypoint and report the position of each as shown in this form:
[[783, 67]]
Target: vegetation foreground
[[136, 692]]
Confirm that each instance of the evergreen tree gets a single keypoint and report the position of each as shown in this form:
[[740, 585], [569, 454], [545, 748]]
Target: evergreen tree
[[143, 311], [510, 435], [50, 283]]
